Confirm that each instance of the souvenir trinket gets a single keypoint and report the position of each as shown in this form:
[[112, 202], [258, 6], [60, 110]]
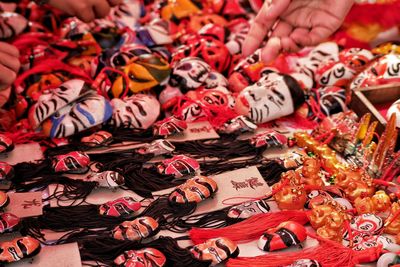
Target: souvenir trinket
[[8, 222], [98, 138], [12, 24], [121, 207], [270, 139], [239, 124], [189, 73], [215, 250], [6, 171], [107, 179], [136, 230], [169, 126], [178, 166], [6, 143], [18, 249], [148, 257], [193, 190], [248, 209], [157, 147]]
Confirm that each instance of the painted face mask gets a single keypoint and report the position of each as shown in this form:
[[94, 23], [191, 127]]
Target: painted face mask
[[157, 147], [216, 250], [248, 209], [193, 190], [124, 207], [6, 171], [143, 72], [317, 197], [269, 138], [8, 222], [138, 111], [51, 101], [180, 9], [334, 74], [272, 97], [126, 53], [287, 234], [136, 230], [73, 27], [214, 80], [169, 126], [190, 110], [6, 143], [155, 33], [240, 124], [366, 223], [148, 257], [44, 81], [12, 24], [71, 161], [332, 100], [178, 166], [107, 179], [78, 116], [127, 13], [362, 242], [18, 249], [4, 200], [209, 29], [216, 97], [384, 70], [98, 138], [189, 73], [355, 58], [305, 263]]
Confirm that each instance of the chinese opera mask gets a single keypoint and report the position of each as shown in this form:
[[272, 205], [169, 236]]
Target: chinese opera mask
[[18, 249], [239, 124], [272, 97], [138, 111], [157, 147], [148, 257], [72, 161], [189, 73], [11, 24], [248, 209], [216, 250], [169, 126], [6, 143], [124, 207], [178, 166], [269, 138], [193, 190], [107, 179], [285, 235], [136, 230], [6, 171], [98, 138]]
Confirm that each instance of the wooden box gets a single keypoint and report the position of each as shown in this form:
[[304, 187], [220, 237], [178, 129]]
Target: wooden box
[[364, 100]]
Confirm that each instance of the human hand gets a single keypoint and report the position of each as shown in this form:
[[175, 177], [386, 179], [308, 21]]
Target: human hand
[[293, 24], [85, 10], [9, 64]]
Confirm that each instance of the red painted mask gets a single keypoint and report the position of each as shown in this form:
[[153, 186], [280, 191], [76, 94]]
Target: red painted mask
[[178, 166], [6, 171], [121, 207], [148, 257], [98, 138], [269, 138], [157, 147], [8, 222], [193, 190], [169, 126], [6, 143], [216, 250], [136, 230], [18, 249], [70, 162]]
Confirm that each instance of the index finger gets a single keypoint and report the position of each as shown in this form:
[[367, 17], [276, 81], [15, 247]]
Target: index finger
[[265, 19]]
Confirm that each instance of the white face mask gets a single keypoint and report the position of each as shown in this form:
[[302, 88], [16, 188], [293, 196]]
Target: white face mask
[[268, 99]]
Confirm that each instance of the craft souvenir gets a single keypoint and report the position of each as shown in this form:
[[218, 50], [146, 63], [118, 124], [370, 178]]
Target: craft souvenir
[[379, 203], [388, 259], [6, 171], [121, 207], [127, 13], [136, 230], [194, 190], [148, 257], [236, 7], [239, 124], [127, 53], [248, 209], [51, 101], [394, 109], [8, 222], [216, 98], [143, 73], [393, 223], [157, 147], [92, 110], [98, 138], [191, 111], [155, 33], [285, 235], [355, 58], [107, 179], [215, 250], [138, 111], [178, 166], [6, 143], [304, 263], [197, 22], [180, 9], [72, 161], [214, 31], [272, 97], [367, 223], [215, 80], [169, 126], [189, 73], [334, 74], [12, 24], [18, 249], [269, 138]]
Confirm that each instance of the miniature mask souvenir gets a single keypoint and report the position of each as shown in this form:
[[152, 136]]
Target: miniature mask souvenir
[[193, 190], [148, 257], [51, 101], [169, 126], [4, 200], [272, 97], [107, 179], [8, 222], [73, 27], [334, 74], [394, 109], [98, 138], [43, 81], [11, 24], [269, 138], [304, 263], [191, 111], [388, 259], [178, 166], [367, 223], [91, 111], [240, 124], [138, 111], [143, 73], [214, 31], [18, 249], [332, 100], [180, 9], [157, 147], [127, 53], [248, 209], [136, 230], [189, 73], [127, 13], [215, 79], [215, 250], [6, 171], [6, 143], [355, 58], [71, 161], [285, 235], [122, 207], [155, 33], [362, 242], [317, 197]]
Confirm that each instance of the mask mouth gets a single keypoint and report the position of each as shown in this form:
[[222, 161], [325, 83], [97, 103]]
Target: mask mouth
[[242, 106]]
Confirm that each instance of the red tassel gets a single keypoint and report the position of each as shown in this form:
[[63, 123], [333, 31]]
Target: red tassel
[[327, 253], [249, 229]]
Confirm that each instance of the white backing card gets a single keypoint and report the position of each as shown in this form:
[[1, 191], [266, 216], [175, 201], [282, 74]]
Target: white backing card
[[23, 153]]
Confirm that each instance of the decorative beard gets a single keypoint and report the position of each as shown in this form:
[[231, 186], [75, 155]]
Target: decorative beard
[[272, 97]]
